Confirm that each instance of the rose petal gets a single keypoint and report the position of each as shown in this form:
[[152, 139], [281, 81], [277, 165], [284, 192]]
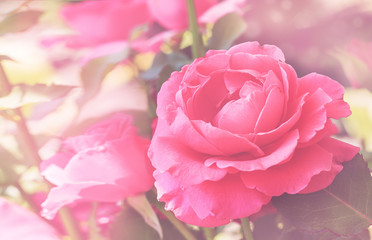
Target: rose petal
[[313, 81], [208, 203], [225, 141], [292, 176], [181, 162], [240, 116], [276, 154], [314, 115], [255, 48], [18, 223]]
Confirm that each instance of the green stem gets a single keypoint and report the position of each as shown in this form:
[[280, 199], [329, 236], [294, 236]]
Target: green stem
[[70, 224], [5, 87], [247, 232], [208, 233], [176, 223], [68, 220], [197, 45], [29, 142], [27, 198]]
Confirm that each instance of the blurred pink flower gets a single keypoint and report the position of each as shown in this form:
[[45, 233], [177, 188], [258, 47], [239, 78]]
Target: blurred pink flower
[[17, 222], [98, 22], [174, 16], [106, 164]]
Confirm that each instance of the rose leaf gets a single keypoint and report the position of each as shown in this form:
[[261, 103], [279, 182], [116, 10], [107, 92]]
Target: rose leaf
[[226, 30], [19, 22], [144, 208], [94, 71], [344, 208], [24, 94]]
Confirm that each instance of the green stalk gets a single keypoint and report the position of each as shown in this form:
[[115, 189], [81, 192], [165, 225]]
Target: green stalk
[[208, 233], [170, 216], [247, 232], [197, 45]]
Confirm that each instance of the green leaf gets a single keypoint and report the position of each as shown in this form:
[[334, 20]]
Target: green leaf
[[19, 22], [344, 208], [130, 225], [95, 70], [143, 207], [24, 94], [226, 30], [163, 65]]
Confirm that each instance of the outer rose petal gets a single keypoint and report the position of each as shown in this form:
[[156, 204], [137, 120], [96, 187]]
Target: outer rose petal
[[182, 162], [19, 223], [292, 176], [255, 48], [208, 203], [341, 152]]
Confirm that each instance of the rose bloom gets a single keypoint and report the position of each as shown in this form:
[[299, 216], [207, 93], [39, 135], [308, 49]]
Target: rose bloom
[[99, 22], [17, 222], [106, 164], [238, 127]]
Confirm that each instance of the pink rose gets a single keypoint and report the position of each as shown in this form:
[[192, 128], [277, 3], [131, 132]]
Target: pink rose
[[19, 223], [106, 164], [237, 127], [99, 22]]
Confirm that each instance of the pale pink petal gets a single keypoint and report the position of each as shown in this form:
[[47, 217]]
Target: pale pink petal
[[18, 223]]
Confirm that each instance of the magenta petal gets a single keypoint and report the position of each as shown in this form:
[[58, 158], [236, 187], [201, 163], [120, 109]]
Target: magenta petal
[[341, 151], [323, 179], [240, 116], [206, 66], [313, 81], [210, 203], [282, 152], [17, 223], [264, 138], [338, 109], [292, 176], [259, 63], [272, 111], [314, 115], [225, 141], [207, 98], [181, 162], [254, 48], [184, 130]]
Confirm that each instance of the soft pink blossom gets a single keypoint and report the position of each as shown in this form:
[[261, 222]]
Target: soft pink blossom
[[98, 22], [17, 222], [237, 127], [106, 164], [172, 14]]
